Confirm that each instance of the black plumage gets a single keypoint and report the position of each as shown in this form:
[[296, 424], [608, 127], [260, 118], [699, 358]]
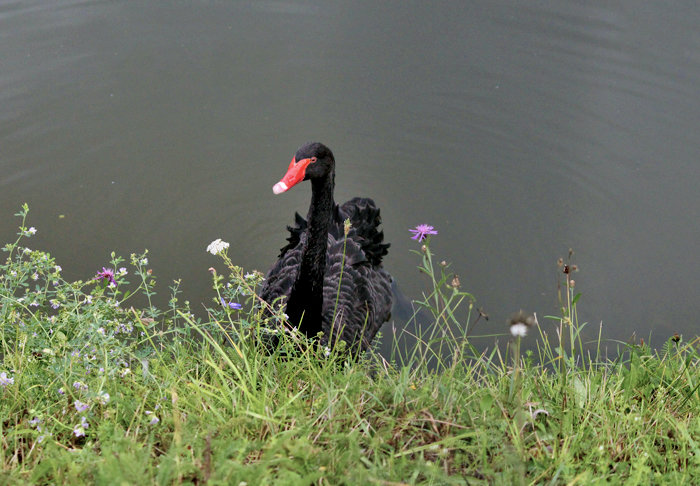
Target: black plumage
[[350, 305]]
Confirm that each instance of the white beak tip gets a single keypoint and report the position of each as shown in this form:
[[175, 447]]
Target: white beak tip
[[279, 188]]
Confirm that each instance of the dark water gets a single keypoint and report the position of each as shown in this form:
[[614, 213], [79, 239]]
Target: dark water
[[517, 129]]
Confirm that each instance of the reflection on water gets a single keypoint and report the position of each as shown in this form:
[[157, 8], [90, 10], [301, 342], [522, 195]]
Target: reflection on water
[[518, 131]]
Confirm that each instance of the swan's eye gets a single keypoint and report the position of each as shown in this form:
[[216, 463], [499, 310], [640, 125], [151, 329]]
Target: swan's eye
[[313, 159]]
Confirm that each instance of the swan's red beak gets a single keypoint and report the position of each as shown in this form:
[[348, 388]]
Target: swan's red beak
[[295, 174]]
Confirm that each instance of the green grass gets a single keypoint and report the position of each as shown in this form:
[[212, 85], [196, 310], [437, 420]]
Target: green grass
[[169, 398]]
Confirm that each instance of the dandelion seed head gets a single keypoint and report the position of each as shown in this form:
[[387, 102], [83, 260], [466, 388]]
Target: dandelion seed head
[[521, 322], [518, 330]]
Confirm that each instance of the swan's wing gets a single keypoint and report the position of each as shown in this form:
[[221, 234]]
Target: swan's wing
[[295, 234], [280, 278], [365, 218], [356, 304]]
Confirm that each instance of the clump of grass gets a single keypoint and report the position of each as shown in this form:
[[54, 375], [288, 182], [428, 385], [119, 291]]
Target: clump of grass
[[95, 388]]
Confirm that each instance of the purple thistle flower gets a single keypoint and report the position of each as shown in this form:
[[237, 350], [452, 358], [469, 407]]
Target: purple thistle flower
[[232, 305], [422, 231], [107, 274]]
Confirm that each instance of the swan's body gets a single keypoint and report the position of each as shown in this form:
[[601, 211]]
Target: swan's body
[[353, 305]]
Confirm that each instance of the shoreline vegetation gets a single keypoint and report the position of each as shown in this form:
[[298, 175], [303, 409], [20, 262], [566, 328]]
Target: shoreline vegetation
[[95, 389]]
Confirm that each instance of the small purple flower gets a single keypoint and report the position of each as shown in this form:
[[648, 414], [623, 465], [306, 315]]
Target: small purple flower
[[61, 391], [422, 231], [232, 305], [79, 431], [107, 274], [154, 419], [6, 380], [80, 406]]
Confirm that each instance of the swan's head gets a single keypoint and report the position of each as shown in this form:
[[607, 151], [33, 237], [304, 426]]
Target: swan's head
[[312, 161]]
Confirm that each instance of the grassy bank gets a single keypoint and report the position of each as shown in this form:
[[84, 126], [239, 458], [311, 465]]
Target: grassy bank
[[94, 389]]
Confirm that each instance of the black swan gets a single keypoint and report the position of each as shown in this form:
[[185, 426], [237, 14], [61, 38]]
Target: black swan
[[328, 281]]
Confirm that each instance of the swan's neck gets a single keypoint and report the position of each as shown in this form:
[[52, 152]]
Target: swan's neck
[[305, 304]]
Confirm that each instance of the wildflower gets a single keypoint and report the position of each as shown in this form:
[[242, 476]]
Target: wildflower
[[107, 274], [217, 246], [80, 386], [326, 351], [6, 380], [55, 304], [154, 420], [123, 271], [88, 299], [422, 231], [79, 431], [35, 421], [232, 305], [520, 323], [144, 261], [35, 276], [31, 231], [61, 391], [80, 406]]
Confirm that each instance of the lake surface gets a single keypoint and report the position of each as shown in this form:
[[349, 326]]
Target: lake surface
[[517, 129]]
